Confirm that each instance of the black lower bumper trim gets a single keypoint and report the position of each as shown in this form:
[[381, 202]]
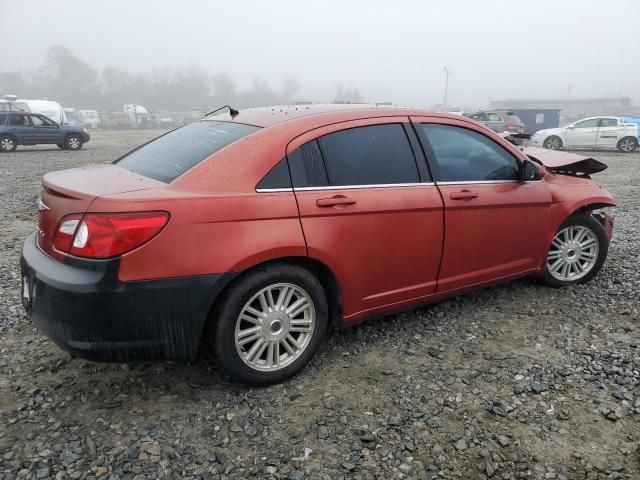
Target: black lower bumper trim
[[84, 308]]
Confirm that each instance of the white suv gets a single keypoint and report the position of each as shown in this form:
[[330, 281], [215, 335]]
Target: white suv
[[593, 132]]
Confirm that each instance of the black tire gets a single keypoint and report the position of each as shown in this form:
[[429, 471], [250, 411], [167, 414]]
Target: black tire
[[61, 146], [589, 222], [553, 142], [627, 144], [222, 331], [73, 142], [8, 143]]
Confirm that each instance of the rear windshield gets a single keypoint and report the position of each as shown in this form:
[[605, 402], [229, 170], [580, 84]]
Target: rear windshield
[[169, 156]]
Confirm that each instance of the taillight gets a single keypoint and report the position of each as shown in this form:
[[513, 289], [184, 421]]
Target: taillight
[[104, 235]]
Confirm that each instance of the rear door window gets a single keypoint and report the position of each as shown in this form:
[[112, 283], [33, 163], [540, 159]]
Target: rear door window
[[307, 166], [169, 156], [18, 120], [608, 122], [463, 155], [371, 155], [3, 118]]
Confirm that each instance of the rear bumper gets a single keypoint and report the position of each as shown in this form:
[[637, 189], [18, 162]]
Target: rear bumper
[[83, 307]]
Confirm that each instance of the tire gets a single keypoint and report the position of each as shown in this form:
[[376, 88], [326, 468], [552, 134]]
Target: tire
[[73, 142], [61, 146], [552, 143], [587, 252], [243, 297], [627, 144], [8, 143]]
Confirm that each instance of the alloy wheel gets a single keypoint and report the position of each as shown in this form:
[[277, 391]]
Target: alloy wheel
[[275, 327], [627, 145], [552, 143], [73, 143], [574, 252], [7, 144]]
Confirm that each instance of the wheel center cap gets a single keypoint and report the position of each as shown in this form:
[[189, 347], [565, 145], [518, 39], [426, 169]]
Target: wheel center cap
[[276, 326], [571, 253]]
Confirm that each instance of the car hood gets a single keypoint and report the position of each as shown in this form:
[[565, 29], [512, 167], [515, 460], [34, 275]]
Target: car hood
[[72, 128], [564, 162]]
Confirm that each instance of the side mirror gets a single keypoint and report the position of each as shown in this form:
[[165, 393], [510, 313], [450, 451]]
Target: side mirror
[[531, 171], [570, 127]]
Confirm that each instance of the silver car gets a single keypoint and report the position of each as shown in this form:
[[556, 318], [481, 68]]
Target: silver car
[[499, 121]]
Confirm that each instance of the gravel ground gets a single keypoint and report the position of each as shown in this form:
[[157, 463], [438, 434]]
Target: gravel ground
[[516, 381]]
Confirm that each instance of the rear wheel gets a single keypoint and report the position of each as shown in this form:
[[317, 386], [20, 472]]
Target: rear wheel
[[627, 144], [8, 143], [553, 143], [270, 324], [577, 252], [61, 146], [73, 142]]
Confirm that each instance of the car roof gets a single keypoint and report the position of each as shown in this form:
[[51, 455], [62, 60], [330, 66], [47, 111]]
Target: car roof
[[324, 113]]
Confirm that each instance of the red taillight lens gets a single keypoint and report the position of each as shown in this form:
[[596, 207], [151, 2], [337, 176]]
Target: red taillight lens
[[104, 235]]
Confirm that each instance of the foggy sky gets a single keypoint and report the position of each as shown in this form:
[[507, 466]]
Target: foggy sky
[[392, 50]]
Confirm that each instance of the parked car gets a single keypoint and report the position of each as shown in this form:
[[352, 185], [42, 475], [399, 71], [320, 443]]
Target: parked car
[[593, 132], [499, 121], [18, 128], [89, 118], [260, 229]]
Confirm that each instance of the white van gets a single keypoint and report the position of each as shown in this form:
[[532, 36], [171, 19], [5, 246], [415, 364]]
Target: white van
[[50, 109]]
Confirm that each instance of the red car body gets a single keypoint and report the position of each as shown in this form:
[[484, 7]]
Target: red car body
[[377, 248]]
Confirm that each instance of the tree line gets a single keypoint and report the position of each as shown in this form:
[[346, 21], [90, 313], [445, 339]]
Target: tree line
[[67, 79]]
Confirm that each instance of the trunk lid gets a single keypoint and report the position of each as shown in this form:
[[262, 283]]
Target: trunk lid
[[73, 191]]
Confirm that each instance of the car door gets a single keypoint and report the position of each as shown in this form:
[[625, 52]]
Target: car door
[[20, 127], [369, 211], [45, 130], [583, 133], [496, 226], [608, 132]]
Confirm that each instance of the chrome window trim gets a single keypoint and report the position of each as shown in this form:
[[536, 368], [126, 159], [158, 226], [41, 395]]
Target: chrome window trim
[[345, 187], [471, 182], [355, 187], [273, 190]]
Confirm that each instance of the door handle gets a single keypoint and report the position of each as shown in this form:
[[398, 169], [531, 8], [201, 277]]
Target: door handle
[[463, 195], [334, 201]]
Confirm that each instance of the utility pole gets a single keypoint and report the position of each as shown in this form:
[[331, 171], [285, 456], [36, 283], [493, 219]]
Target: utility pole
[[446, 88]]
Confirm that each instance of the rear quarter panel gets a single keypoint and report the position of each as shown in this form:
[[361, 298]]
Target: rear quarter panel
[[226, 232]]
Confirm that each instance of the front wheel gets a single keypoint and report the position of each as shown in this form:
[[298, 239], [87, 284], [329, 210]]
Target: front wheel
[[553, 143], [627, 144], [73, 142], [270, 324], [578, 251]]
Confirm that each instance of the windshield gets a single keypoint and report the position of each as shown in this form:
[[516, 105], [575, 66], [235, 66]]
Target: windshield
[[169, 156]]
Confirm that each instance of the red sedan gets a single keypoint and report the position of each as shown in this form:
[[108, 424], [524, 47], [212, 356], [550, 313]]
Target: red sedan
[[257, 231]]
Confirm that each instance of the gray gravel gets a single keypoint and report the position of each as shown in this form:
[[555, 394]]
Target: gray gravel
[[513, 382]]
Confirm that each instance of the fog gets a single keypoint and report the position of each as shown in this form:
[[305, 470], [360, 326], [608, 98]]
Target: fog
[[378, 51]]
